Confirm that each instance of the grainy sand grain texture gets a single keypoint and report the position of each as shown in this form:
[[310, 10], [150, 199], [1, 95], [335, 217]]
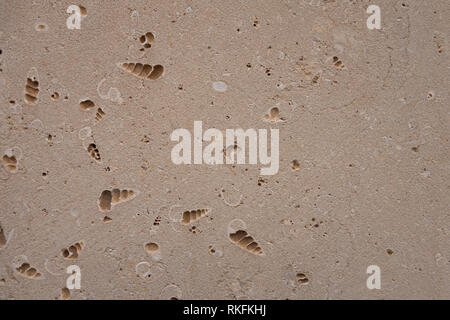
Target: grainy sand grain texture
[[87, 178]]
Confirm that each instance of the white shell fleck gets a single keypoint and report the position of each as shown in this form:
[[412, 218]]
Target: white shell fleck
[[220, 86]]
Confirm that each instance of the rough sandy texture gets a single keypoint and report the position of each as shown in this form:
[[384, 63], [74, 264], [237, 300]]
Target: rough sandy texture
[[364, 150]]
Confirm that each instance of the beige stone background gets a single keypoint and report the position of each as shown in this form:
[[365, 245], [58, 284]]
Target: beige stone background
[[369, 130]]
